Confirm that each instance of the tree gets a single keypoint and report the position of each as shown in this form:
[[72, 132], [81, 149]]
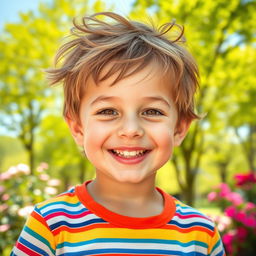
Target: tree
[[214, 30], [26, 48]]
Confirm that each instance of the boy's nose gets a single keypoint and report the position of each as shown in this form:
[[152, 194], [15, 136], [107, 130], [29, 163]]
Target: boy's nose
[[130, 127]]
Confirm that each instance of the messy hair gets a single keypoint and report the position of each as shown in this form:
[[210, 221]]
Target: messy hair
[[129, 46]]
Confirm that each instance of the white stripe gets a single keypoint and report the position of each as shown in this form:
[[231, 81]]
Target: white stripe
[[188, 209], [192, 220], [62, 206], [36, 242], [71, 220], [216, 251], [141, 246], [19, 252]]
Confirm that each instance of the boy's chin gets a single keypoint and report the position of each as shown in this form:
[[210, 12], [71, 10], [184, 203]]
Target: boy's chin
[[132, 178]]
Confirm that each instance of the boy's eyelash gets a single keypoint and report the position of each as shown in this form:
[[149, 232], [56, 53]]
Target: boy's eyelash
[[107, 111], [110, 111], [159, 113]]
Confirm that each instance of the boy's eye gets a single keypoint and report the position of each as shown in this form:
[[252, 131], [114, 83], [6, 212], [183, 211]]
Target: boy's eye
[[107, 112], [153, 112]]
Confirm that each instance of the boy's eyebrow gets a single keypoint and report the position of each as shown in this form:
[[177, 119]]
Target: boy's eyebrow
[[158, 98], [103, 98], [148, 98]]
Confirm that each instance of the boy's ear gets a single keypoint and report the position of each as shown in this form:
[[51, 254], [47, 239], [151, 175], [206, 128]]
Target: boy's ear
[[181, 131], [75, 129]]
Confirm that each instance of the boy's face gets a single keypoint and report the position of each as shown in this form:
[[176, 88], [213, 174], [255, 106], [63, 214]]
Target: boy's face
[[128, 130]]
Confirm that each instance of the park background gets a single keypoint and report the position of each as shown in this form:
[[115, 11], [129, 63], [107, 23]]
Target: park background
[[213, 170]]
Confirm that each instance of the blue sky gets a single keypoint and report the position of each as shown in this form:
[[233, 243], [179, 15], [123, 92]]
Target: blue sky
[[10, 8], [9, 12]]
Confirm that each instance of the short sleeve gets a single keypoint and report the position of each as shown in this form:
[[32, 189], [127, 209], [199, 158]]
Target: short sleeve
[[216, 247], [36, 237]]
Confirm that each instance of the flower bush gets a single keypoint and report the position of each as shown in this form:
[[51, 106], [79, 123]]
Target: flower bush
[[19, 192], [238, 225]]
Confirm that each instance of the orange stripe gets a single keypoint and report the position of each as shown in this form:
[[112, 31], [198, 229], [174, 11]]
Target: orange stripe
[[187, 230], [39, 218]]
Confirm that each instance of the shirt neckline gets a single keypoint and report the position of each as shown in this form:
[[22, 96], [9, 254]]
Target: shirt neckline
[[126, 221]]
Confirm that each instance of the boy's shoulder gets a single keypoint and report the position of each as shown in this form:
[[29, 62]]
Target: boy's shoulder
[[188, 216], [65, 199]]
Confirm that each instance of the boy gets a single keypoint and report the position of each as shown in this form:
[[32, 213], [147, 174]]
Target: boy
[[128, 101]]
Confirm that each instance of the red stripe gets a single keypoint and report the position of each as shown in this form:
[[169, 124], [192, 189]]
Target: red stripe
[[126, 254], [82, 229], [69, 194], [26, 250], [71, 216], [191, 216]]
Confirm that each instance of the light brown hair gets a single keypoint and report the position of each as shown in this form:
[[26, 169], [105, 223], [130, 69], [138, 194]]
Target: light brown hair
[[127, 44]]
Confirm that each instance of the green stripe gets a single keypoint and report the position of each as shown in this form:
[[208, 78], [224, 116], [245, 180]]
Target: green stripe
[[38, 237]]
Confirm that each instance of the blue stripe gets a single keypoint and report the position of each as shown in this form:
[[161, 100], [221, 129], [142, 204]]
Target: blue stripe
[[192, 224], [218, 244], [127, 240], [61, 210], [76, 225], [32, 247], [132, 251], [189, 213], [60, 202], [193, 211]]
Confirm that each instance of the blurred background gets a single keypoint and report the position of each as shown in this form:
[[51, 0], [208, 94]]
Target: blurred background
[[214, 169]]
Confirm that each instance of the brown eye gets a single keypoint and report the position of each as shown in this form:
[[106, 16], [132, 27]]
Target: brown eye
[[153, 112], [108, 112]]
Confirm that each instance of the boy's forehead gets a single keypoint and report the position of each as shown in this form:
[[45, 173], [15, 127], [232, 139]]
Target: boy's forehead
[[150, 71], [151, 78]]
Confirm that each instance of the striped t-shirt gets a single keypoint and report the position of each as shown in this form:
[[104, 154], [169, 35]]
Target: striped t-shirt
[[73, 224]]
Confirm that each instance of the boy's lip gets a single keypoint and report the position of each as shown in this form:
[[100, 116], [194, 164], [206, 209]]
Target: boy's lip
[[125, 148], [132, 159]]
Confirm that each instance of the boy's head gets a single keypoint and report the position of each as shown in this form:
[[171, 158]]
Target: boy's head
[[128, 95], [124, 48]]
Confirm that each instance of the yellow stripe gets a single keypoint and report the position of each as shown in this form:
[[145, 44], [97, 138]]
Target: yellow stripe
[[136, 233], [41, 230], [64, 198]]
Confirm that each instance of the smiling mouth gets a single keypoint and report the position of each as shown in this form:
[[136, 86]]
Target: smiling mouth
[[129, 154]]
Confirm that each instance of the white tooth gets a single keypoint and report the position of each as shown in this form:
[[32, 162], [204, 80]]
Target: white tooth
[[129, 153]]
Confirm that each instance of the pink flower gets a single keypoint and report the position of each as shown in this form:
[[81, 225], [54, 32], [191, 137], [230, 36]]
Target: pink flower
[[5, 176], [231, 211], [242, 179], [4, 227], [249, 221], [53, 182], [23, 168], [224, 190], [240, 216], [44, 177], [50, 191], [241, 234], [42, 167], [3, 207], [5, 197], [24, 212], [235, 198], [2, 189], [228, 240], [250, 206], [212, 196]]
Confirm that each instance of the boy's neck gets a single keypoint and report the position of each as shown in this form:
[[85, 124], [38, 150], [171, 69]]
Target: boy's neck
[[124, 198]]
